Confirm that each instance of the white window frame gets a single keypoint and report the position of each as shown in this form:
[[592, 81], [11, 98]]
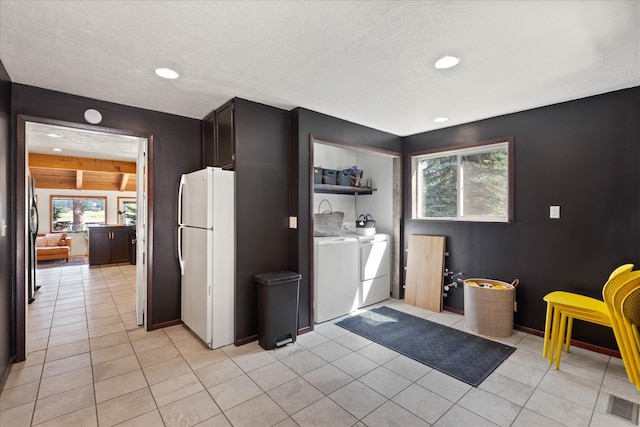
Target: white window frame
[[122, 203], [460, 151]]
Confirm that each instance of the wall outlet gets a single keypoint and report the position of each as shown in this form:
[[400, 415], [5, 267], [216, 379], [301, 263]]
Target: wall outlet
[[349, 227], [554, 212]]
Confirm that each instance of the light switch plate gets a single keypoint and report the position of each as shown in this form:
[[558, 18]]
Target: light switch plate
[[293, 222], [554, 212]]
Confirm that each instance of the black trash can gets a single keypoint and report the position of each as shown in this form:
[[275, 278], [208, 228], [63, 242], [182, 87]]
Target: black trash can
[[277, 308]]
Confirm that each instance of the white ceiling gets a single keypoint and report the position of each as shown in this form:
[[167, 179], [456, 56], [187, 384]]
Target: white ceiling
[[43, 138], [366, 62]]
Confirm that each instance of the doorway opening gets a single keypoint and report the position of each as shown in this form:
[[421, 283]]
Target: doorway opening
[[81, 174], [360, 180]]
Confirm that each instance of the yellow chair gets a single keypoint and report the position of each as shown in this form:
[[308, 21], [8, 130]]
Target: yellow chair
[[584, 307], [589, 311], [563, 307], [631, 323], [614, 301], [619, 286]]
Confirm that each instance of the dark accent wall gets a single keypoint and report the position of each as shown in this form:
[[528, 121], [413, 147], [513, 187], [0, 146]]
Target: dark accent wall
[[582, 155], [177, 149], [261, 165], [303, 124], [7, 255]]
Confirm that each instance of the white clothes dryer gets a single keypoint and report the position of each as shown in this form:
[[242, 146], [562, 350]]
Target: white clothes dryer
[[375, 268]]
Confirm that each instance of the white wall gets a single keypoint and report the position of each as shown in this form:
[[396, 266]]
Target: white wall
[[78, 244], [378, 167], [380, 203]]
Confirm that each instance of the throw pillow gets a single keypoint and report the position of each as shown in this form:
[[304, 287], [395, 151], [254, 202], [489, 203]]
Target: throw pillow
[[52, 239], [63, 241], [41, 242]]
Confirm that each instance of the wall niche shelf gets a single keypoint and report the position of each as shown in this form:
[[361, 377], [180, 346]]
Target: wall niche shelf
[[341, 189]]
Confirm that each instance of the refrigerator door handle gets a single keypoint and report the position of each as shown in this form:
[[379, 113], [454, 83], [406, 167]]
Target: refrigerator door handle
[[37, 219], [183, 182], [34, 220], [180, 259]]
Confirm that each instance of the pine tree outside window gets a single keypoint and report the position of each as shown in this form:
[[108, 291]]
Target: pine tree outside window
[[72, 213], [474, 183]]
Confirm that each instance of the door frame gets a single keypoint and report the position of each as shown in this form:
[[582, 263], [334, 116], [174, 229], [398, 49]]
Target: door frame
[[396, 235], [21, 215]]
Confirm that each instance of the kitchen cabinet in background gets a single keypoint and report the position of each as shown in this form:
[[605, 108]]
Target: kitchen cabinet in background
[[109, 245]]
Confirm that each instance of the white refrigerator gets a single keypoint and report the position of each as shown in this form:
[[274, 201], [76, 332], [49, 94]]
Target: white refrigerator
[[206, 253]]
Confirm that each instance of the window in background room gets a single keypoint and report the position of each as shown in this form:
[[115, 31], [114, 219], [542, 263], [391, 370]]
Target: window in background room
[[70, 213], [474, 183], [127, 211]]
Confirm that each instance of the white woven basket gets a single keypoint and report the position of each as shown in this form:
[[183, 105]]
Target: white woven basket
[[488, 310]]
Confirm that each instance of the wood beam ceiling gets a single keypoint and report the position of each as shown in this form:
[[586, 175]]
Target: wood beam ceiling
[[79, 173], [123, 182], [79, 180], [80, 163]]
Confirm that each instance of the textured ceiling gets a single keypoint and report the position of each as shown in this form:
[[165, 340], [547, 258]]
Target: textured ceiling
[[366, 62], [43, 138]]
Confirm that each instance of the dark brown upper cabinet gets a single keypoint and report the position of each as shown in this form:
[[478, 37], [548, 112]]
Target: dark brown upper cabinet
[[209, 140], [218, 135]]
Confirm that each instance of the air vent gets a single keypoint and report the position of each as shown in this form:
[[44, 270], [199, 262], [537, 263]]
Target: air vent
[[623, 408]]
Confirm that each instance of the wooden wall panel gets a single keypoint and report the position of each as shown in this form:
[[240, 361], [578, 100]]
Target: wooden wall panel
[[425, 268]]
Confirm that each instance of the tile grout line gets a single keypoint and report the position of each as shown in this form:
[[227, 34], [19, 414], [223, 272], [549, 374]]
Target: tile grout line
[[35, 403], [526, 349], [93, 379]]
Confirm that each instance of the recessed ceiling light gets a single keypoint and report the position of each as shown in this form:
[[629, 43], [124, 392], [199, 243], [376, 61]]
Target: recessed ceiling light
[[166, 73], [440, 119], [93, 116], [57, 149], [447, 62], [54, 135]]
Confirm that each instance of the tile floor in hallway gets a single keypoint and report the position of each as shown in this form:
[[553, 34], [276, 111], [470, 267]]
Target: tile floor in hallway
[[89, 364]]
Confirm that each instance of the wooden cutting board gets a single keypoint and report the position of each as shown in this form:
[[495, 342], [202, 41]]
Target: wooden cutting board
[[425, 272]]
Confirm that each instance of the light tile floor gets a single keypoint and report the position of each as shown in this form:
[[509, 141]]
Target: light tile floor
[[89, 364]]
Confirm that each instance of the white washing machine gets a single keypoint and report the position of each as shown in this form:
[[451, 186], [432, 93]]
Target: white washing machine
[[375, 267], [336, 277]]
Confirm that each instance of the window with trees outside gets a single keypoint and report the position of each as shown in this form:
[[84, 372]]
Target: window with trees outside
[[465, 183], [127, 210], [71, 213]]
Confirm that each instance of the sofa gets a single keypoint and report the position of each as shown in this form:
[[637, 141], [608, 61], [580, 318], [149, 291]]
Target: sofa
[[53, 246]]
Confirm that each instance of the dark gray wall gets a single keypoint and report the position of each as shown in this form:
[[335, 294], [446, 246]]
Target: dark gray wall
[[582, 155], [303, 124], [6, 254], [262, 142], [177, 150]]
